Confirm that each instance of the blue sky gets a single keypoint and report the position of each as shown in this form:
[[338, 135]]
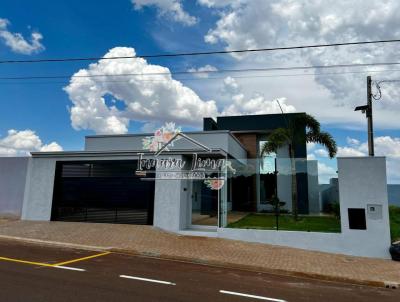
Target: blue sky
[[79, 29], [93, 28]]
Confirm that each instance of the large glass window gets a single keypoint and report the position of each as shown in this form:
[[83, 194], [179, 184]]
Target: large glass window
[[294, 195]]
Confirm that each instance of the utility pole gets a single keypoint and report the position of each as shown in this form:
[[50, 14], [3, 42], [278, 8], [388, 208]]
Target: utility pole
[[367, 109], [369, 117]]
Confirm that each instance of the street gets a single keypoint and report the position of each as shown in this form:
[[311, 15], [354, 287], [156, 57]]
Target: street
[[32, 273]]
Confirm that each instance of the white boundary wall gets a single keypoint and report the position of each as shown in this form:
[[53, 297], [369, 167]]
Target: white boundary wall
[[362, 182]]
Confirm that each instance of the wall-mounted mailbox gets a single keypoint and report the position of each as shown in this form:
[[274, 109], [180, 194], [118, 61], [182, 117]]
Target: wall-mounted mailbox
[[357, 219]]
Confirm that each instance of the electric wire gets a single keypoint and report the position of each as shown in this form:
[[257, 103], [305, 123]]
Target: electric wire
[[218, 52], [213, 78], [206, 72], [377, 96]]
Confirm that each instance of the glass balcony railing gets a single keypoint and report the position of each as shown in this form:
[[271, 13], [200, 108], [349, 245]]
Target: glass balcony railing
[[281, 194]]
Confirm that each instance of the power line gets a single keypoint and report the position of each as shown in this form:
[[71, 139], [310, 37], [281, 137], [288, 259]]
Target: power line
[[378, 95], [388, 81], [205, 72], [220, 77], [219, 52]]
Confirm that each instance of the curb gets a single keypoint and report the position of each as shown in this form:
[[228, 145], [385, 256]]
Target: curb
[[215, 263], [253, 268], [58, 243]]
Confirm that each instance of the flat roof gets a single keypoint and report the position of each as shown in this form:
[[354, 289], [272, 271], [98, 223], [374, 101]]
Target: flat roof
[[151, 134], [121, 153], [230, 133]]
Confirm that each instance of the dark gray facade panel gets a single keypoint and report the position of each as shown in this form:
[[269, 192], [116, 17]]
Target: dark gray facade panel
[[257, 123]]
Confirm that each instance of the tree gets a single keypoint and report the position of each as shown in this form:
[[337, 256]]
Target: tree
[[292, 136]]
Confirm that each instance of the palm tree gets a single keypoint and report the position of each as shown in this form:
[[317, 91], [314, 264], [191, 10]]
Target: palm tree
[[293, 135]]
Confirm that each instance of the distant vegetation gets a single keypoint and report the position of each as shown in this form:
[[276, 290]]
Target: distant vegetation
[[394, 214], [327, 224]]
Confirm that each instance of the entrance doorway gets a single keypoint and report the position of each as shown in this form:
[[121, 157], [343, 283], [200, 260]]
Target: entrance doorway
[[204, 205]]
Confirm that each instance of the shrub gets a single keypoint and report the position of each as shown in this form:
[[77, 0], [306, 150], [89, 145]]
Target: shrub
[[394, 216], [334, 208]]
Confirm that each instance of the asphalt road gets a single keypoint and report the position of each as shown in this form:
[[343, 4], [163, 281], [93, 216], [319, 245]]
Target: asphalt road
[[27, 274]]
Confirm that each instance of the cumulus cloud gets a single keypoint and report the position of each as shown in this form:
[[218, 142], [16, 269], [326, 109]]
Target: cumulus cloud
[[352, 141], [172, 9], [203, 71], [144, 98], [384, 146], [155, 98], [257, 104], [325, 173], [321, 153], [329, 96], [17, 42], [20, 143], [220, 3], [349, 152]]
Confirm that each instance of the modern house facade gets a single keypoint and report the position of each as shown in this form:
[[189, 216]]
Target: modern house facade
[[201, 183]]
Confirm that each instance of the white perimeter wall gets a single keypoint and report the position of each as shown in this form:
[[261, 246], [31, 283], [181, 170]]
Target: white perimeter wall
[[362, 182]]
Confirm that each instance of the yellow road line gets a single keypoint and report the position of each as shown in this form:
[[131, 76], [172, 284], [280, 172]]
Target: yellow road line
[[81, 259], [52, 265], [25, 262]]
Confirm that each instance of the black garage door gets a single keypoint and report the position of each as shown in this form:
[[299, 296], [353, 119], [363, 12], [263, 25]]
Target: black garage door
[[102, 191]]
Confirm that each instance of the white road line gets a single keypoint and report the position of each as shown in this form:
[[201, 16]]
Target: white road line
[[146, 279], [70, 268], [250, 296]]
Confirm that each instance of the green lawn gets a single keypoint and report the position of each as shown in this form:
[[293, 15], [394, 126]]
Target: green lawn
[[394, 213], [328, 224]]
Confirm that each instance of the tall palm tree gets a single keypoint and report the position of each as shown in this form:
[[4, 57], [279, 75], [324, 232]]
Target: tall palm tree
[[293, 135]]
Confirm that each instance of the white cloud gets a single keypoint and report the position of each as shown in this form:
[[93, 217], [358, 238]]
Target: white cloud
[[330, 97], [231, 86], [311, 156], [311, 146], [352, 141], [257, 104], [202, 72], [384, 146], [349, 152], [172, 9], [149, 127], [20, 143], [321, 153], [51, 147], [17, 42], [325, 173], [145, 98], [149, 99], [221, 3]]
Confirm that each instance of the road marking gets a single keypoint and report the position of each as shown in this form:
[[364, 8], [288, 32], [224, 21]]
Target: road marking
[[250, 296], [81, 259], [70, 268], [146, 279], [25, 262]]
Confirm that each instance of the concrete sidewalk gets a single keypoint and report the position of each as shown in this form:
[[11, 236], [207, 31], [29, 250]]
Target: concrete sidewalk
[[149, 241]]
